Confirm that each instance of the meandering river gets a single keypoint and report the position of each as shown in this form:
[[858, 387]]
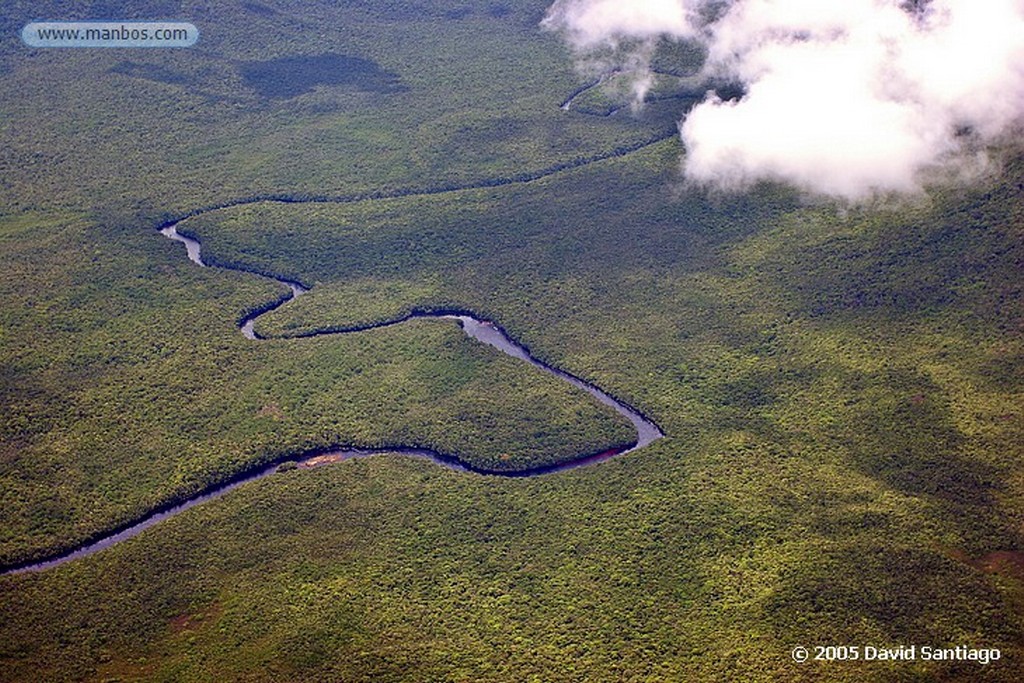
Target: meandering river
[[484, 331]]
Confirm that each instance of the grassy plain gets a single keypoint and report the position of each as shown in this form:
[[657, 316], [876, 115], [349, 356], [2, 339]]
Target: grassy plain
[[841, 388]]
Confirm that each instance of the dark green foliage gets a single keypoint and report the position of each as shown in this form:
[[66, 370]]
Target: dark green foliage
[[152, 72], [292, 76], [126, 378], [841, 388], [259, 9]]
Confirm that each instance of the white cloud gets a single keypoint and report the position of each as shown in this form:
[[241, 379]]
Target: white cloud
[[845, 98], [604, 22]]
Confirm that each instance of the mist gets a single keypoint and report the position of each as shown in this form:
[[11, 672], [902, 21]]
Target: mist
[[850, 98]]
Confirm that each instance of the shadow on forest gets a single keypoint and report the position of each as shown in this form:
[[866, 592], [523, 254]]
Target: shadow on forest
[[287, 77]]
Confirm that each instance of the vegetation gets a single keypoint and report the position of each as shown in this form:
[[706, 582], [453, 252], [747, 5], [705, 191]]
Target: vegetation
[[143, 391], [841, 387], [291, 76]]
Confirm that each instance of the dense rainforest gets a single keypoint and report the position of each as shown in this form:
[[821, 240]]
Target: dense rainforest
[[841, 387]]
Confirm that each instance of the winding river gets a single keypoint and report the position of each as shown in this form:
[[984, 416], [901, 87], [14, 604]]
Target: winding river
[[484, 331]]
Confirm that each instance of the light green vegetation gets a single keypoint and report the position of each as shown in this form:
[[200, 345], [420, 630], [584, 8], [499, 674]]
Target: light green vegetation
[[193, 133], [841, 389], [128, 385]]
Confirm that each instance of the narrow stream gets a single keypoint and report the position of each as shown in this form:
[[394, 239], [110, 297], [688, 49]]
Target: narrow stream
[[482, 330]]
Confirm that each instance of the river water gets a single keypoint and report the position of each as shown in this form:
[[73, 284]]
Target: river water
[[483, 331]]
